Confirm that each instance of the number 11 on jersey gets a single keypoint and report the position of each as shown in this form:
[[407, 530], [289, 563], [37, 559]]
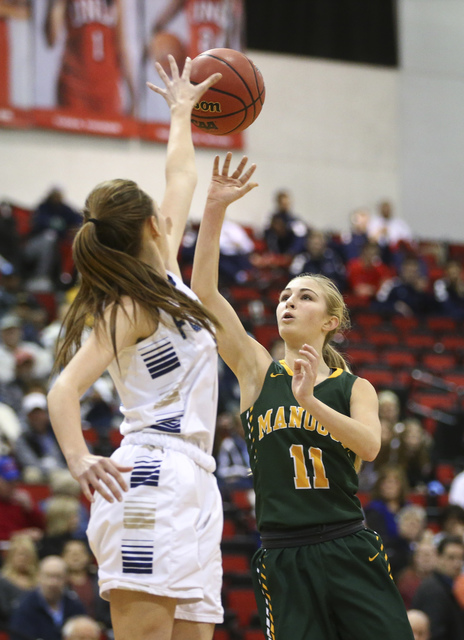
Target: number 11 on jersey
[[301, 479]]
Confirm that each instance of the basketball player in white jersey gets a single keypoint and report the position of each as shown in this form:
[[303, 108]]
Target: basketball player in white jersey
[[156, 519]]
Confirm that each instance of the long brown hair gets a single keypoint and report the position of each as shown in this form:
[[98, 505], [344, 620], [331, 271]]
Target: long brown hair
[[105, 252]]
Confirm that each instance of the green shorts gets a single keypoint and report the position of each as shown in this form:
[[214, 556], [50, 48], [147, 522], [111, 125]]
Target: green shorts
[[336, 590]]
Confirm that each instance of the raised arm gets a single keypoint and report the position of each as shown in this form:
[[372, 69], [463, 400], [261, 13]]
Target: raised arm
[[55, 20], [246, 357], [181, 173]]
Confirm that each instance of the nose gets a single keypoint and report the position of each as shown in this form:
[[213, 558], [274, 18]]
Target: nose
[[289, 303]]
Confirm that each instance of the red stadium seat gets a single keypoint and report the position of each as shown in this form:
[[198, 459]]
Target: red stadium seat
[[441, 323], [360, 355], [221, 634], [253, 634], [235, 563], [439, 362], [243, 603], [405, 323], [379, 376], [368, 320], [383, 337], [420, 340], [399, 357]]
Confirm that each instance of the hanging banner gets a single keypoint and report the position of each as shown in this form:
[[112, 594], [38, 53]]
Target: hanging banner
[[82, 65]]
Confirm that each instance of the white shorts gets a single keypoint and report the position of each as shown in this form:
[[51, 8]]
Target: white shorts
[[164, 538]]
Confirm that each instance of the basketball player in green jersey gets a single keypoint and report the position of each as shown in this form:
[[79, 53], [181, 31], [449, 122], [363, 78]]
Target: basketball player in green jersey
[[309, 422]]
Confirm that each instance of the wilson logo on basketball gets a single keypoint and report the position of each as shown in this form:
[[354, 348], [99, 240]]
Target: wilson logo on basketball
[[210, 107], [209, 126]]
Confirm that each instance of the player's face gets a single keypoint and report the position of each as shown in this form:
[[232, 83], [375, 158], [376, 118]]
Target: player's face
[[302, 308]]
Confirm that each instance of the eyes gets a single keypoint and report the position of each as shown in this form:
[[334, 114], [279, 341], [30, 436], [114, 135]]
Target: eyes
[[303, 296]]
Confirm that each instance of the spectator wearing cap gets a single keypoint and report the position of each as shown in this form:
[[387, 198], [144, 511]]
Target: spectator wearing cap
[[11, 343], [36, 449], [17, 510], [13, 392]]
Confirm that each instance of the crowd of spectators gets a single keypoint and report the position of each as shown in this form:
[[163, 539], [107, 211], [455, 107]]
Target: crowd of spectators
[[48, 583]]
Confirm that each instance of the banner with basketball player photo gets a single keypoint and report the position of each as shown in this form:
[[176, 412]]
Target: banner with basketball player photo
[[82, 65]]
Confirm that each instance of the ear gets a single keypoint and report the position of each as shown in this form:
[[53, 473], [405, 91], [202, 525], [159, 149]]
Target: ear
[[152, 226], [331, 324]]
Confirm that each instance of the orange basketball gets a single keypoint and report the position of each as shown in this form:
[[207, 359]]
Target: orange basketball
[[236, 100], [164, 43]]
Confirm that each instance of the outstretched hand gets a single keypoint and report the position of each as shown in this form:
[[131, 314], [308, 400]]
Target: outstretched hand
[[178, 89], [101, 474], [226, 189], [304, 374]]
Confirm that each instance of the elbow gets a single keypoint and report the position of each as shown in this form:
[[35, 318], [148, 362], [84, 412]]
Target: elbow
[[370, 451]]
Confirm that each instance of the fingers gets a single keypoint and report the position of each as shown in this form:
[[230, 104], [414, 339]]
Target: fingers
[[106, 478], [156, 89], [206, 84], [226, 165], [174, 68], [216, 166]]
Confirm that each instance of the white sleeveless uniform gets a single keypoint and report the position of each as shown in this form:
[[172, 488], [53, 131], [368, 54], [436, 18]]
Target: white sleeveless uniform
[[164, 538]]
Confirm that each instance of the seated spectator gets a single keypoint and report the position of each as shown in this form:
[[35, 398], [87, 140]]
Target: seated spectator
[[61, 524], [411, 521], [407, 294], [283, 208], [17, 510], [11, 343], [13, 392], [435, 597], [233, 462], [451, 520], [420, 624], [10, 286], [82, 579], [63, 484], [366, 273], [81, 628], [421, 565], [388, 497], [449, 290], [414, 453], [280, 238], [319, 258], [36, 449], [10, 428], [53, 224], [235, 247], [353, 241], [18, 575], [43, 612], [10, 247], [387, 230]]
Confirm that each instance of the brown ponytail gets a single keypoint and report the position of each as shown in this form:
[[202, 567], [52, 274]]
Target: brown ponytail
[[106, 254]]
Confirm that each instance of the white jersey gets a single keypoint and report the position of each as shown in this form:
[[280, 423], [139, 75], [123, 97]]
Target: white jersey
[[167, 383]]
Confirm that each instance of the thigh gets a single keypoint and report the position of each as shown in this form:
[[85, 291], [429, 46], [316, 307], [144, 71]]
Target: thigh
[[365, 601], [149, 541], [291, 594], [185, 630], [141, 616]]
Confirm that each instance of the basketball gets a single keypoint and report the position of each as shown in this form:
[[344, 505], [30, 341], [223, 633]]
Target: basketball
[[236, 100]]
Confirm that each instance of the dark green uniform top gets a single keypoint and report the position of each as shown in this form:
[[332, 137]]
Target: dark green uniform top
[[302, 475]]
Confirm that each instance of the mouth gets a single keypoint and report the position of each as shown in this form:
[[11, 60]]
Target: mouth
[[287, 316]]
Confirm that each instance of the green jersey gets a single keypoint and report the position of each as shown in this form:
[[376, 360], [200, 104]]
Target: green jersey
[[302, 475]]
